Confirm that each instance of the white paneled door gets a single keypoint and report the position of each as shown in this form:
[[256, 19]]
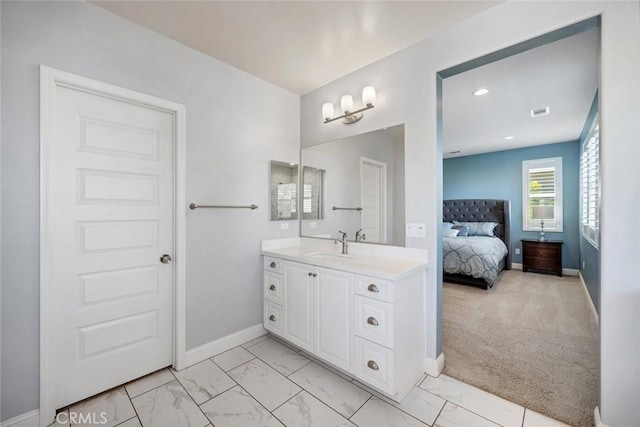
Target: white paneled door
[[373, 184], [112, 239]]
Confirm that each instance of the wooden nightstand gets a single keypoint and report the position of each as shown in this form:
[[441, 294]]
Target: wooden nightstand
[[542, 256]]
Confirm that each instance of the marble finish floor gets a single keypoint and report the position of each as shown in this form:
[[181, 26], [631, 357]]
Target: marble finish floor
[[266, 383]]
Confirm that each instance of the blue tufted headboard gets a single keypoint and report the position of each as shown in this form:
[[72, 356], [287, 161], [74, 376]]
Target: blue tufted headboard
[[471, 210]]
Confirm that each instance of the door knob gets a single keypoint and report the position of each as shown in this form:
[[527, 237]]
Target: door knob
[[165, 259]]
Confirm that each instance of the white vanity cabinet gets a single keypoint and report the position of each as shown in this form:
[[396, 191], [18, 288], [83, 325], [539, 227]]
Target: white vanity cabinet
[[370, 328]]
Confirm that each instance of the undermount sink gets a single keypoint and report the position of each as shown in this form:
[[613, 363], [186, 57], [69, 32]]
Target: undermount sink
[[329, 255]]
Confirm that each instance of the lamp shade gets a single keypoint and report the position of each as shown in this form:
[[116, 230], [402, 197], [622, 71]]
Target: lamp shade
[[369, 95], [327, 111], [542, 212], [346, 103]]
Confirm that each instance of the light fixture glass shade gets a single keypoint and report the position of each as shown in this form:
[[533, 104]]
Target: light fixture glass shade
[[346, 103], [369, 95], [327, 111]]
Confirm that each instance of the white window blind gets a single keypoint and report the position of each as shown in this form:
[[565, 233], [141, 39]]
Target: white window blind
[[542, 186], [590, 186]]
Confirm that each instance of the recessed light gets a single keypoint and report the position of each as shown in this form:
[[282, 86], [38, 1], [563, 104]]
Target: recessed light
[[292, 164], [480, 92], [508, 137]]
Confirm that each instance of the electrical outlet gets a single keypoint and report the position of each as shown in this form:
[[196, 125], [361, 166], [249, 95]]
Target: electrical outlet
[[313, 224], [584, 264], [517, 251], [284, 226], [416, 230]]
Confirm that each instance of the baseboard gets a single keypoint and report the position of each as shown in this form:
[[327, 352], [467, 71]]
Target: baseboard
[[29, 419], [586, 292], [433, 367], [218, 346], [596, 418], [565, 271]]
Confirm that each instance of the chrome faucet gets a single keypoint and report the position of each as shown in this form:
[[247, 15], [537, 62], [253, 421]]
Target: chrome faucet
[[360, 236], [345, 246]]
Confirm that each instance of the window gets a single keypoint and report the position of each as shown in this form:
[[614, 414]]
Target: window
[[590, 186], [542, 186]]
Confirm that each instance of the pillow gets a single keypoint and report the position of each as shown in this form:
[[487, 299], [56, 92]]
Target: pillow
[[447, 225], [462, 230], [479, 228], [449, 233]]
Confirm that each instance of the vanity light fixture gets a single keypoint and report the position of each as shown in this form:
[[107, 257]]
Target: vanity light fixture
[[346, 105], [480, 92]]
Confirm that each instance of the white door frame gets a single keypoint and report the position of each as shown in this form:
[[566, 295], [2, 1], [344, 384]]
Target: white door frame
[[50, 79], [383, 193]]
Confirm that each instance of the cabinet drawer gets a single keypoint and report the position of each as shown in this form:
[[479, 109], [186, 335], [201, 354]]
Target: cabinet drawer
[[542, 252], [272, 264], [375, 365], [541, 263], [374, 288], [273, 287], [273, 317], [374, 320]]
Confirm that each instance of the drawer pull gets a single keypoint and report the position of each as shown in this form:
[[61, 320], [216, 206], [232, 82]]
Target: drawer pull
[[273, 264], [373, 288], [373, 365], [272, 318], [315, 274], [272, 287], [310, 274], [372, 321]]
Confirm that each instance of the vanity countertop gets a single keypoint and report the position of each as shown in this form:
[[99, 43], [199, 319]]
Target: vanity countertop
[[386, 262]]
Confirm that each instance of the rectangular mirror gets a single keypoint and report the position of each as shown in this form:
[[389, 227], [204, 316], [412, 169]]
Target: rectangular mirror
[[362, 180], [283, 192]]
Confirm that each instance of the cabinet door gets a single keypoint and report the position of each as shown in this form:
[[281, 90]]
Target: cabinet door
[[334, 318], [298, 302]]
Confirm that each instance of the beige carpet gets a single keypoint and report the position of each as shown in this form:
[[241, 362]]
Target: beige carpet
[[532, 340]]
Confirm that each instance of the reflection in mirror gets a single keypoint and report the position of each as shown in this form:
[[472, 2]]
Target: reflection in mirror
[[312, 193], [363, 171], [284, 191]]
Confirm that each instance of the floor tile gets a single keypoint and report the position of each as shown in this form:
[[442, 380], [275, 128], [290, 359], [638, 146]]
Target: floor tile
[[377, 413], [233, 358], [264, 383], [278, 356], [236, 408], [204, 381], [475, 400], [420, 404], [534, 419], [305, 410], [151, 381], [339, 394], [115, 405], [133, 422], [255, 341], [168, 406], [455, 416]]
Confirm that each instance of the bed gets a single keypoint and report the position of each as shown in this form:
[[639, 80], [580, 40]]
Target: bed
[[477, 260]]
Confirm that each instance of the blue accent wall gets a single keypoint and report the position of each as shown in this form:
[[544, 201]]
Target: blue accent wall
[[498, 175], [589, 255]]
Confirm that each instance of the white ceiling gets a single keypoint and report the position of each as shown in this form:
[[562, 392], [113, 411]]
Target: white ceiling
[[297, 45], [562, 76]]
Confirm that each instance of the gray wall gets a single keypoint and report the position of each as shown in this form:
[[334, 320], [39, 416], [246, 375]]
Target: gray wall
[[589, 254], [235, 122], [406, 84]]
